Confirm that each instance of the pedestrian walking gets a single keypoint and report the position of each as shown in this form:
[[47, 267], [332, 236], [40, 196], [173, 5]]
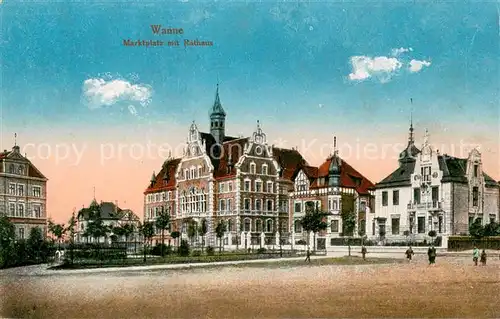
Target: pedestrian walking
[[409, 253], [432, 255], [475, 255], [483, 258], [363, 252], [308, 255]]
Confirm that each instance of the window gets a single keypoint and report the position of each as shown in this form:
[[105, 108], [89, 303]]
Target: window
[[186, 174], [252, 168], [298, 207], [475, 196], [20, 210], [395, 226], [421, 225], [384, 198], [246, 225], [416, 195], [269, 187], [373, 228], [20, 190], [247, 186], [471, 220], [21, 232], [221, 188], [492, 219], [426, 173], [12, 189], [247, 203], [335, 226], [222, 205], [258, 205], [269, 205], [199, 171], [264, 169], [12, 209], [230, 186], [164, 196], [435, 194], [37, 191], [298, 226], [11, 169], [258, 186], [362, 207], [230, 225], [258, 225], [335, 204], [269, 226], [395, 197], [476, 170], [229, 205], [157, 197], [440, 224]]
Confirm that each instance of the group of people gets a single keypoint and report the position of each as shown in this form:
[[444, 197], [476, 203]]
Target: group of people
[[431, 253]]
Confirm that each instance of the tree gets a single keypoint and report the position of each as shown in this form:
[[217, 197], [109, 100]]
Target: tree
[[97, 229], [476, 229], [163, 223], [203, 231], [314, 221], [7, 239], [71, 229], [492, 229], [35, 244], [192, 230], [147, 231], [219, 232], [57, 230]]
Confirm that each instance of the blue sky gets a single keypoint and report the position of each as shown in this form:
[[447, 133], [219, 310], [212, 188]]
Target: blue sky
[[287, 62]]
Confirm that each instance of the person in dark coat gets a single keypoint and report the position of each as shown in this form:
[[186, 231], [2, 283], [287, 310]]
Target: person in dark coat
[[432, 255], [308, 255], [363, 252], [483, 258], [409, 253]]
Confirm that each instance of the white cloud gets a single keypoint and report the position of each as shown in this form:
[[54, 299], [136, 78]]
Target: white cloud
[[364, 67], [99, 92], [416, 65], [396, 52]]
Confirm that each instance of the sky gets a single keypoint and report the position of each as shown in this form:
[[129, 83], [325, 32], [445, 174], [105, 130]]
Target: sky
[[90, 112]]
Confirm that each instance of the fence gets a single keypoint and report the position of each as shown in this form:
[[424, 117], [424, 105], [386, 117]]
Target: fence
[[459, 243]]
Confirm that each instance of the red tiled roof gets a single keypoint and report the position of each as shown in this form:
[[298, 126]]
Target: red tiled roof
[[289, 160], [348, 177], [162, 184]]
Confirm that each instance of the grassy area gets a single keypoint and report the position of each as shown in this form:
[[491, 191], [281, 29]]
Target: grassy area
[[171, 259], [229, 257]]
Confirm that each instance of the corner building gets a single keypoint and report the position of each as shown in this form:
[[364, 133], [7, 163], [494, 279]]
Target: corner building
[[433, 191], [243, 181]]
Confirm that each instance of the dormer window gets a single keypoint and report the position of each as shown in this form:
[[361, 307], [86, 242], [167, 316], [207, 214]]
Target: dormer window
[[11, 169], [264, 169]]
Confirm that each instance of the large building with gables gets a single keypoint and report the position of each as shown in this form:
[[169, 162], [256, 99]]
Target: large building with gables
[[23, 193], [254, 187], [433, 191]]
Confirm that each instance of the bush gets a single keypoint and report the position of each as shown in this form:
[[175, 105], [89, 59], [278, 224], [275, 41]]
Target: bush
[[184, 248], [301, 242], [210, 251], [196, 253], [156, 251], [261, 251]]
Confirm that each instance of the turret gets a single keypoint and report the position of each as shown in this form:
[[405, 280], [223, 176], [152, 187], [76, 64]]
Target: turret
[[217, 119]]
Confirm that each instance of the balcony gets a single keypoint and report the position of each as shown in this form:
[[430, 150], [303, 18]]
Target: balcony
[[259, 212], [434, 205]]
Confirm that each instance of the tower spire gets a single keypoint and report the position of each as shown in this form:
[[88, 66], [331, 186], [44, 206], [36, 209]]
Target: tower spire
[[15, 139], [410, 137]]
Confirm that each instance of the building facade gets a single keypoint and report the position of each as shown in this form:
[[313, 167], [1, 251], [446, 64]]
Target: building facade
[[244, 181], [112, 216], [334, 187], [433, 191], [23, 193]]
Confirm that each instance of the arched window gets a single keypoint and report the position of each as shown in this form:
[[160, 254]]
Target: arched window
[[269, 226]]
